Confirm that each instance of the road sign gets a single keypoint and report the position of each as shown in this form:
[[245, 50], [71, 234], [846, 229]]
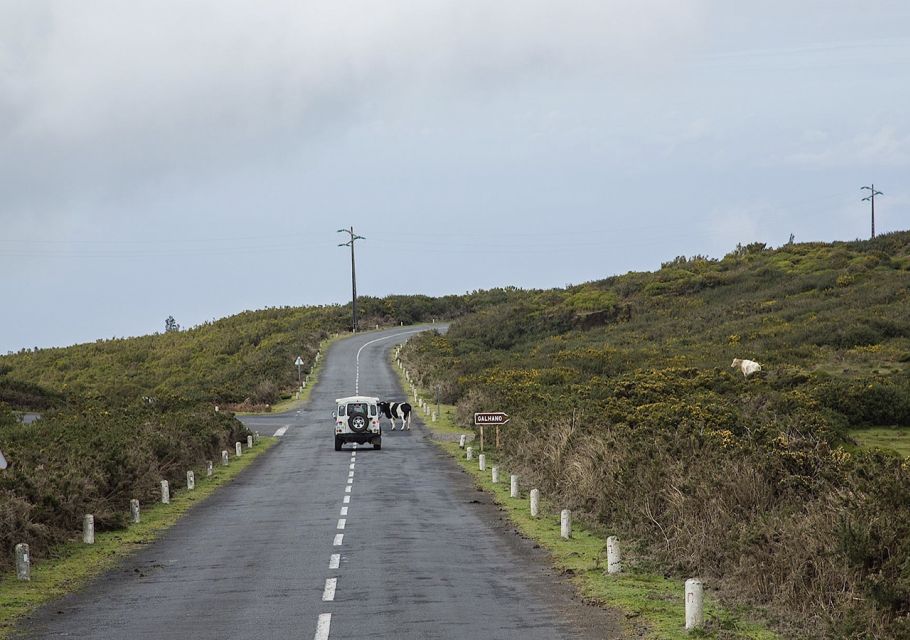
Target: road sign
[[490, 417], [298, 362]]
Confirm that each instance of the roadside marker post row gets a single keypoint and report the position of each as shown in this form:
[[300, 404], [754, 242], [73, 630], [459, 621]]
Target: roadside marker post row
[[23, 558], [694, 587]]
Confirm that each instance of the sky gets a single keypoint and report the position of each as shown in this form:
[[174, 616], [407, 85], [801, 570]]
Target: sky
[[196, 158]]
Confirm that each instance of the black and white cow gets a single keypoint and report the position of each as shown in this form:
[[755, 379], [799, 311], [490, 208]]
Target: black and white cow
[[392, 410]]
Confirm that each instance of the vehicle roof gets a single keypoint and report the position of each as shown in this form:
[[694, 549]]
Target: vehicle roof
[[356, 399]]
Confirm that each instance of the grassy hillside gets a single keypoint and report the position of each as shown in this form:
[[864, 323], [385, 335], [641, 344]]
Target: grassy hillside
[[247, 356], [625, 408]]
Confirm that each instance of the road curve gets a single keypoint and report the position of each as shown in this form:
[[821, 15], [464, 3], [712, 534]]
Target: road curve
[[312, 543]]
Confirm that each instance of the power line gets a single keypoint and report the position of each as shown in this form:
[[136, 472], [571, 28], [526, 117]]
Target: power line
[[350, 243], [871, 199]]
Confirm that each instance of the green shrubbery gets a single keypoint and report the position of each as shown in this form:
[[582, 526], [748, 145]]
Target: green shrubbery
[[94, 460], [639, 422]]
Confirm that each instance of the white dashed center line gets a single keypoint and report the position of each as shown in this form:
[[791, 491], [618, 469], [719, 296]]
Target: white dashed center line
[[347, 499], [328, 594], [334, 561], [322, 627], [350, 480], [347, 489], [351, 467], [350, 474], [283, 430], [341, 523], [339, 538], [344, 511]]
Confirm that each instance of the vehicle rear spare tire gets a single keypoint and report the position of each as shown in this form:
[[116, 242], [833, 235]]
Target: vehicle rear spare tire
[[358, 423]]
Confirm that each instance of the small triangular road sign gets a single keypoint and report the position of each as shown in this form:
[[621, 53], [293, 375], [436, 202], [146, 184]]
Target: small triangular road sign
[[298, 362]]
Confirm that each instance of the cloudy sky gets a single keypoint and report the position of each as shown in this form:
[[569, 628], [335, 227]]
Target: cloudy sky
[[195, 158]]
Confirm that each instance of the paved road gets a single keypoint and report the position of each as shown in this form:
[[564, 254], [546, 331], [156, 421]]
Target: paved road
[[312, 543]]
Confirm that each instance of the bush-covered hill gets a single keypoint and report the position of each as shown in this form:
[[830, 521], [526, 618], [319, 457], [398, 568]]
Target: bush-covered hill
[[245, 356], [625, 408]]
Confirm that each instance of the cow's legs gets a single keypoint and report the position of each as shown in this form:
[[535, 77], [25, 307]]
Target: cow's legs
[[408, 419]]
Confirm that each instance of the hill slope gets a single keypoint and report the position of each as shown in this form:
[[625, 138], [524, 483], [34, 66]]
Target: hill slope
[[625, 408]]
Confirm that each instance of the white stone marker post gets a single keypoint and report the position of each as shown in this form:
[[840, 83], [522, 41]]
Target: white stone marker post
[[190, 481], [256, 437], [88, 529], [134, 511], [482, 462], [23, 562], [224, 458], [495, 475], [433, 417], [249, 442], [535, 502], [209, 468], [470, 453], [565, 524], [238, 449], [614, 556], [461, 440], [165, 493], [513, 485], [695, 595]]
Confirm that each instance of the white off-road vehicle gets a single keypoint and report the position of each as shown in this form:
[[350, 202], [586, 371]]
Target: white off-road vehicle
[[357, 420]]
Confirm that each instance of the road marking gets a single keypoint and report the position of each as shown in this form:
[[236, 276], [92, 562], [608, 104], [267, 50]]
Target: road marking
[[347, 489], [281, 432], [352, 465], [322, 627], [350, 480], [328, 594], [334, 560], [344, 511], [347, 499], [350, 474], [341, 523], [339, 538], [366, 344]]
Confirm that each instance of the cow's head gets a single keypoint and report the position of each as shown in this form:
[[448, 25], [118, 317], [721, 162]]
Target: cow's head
[[385, 409]]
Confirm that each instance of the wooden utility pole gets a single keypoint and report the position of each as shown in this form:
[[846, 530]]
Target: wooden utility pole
[[871, 199], [350, 243]]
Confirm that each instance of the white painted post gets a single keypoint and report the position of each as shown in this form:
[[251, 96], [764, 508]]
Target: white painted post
[[513, 486], [470, 453], [249, 442], [224, 458], [209, 468], [23, 562], [495, 475], [535, 502], [482, 462], [190, 481], [695, 595], [434, 416], [461, 440], [88, 529], [134, 511], [565, 524], [256, 437], [216, 408], [165, 492], [238, 449], [614, 556]]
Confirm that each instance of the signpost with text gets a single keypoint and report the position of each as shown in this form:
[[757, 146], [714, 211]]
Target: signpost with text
[[495, 418]]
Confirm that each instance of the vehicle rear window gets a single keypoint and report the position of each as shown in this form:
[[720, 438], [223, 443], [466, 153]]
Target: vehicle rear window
[[341, 410], [372, 410], [357, 407]]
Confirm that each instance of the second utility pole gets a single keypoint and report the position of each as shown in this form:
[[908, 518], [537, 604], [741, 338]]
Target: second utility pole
[[350, 243]]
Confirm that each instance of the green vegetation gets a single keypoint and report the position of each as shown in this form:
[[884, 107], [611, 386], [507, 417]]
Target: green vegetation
[[243, 361], [625, 409], [72, 563], [894, 440], [652, 604]]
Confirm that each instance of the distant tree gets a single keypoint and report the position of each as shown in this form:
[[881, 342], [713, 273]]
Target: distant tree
[[170, 325]]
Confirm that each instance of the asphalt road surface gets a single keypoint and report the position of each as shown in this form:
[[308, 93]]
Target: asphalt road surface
[[313, 543]]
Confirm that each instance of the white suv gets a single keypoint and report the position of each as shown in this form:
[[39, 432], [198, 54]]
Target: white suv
[[357, 420]]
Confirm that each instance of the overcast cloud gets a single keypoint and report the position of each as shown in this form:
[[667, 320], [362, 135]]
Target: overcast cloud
[[195, 158]]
